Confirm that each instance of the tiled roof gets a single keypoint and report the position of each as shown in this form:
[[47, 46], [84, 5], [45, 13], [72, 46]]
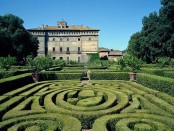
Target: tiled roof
[[73, 27], [115, 53], [103, 50]]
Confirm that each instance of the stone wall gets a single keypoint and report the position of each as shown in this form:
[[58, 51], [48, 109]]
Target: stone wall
[[79, 43]]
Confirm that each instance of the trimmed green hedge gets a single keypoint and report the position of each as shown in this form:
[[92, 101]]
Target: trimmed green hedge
[[75, 65], [50, 121], [60, 76], [169, 74], [131, 102], [55, 69], [71, 71], [97, 68], [160, 72], [128, 122], [149, 65], [109, 76], [73, 68], [163, 84], [14, 82], [5, 74]]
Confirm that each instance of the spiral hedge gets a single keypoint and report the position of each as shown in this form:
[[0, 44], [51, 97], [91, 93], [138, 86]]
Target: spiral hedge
[[100, 105]]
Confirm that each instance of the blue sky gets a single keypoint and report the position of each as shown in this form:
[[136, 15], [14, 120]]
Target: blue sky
[[116, 19]]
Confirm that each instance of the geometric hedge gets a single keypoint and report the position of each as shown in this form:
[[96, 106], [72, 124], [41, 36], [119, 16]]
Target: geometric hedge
[[100, 105]]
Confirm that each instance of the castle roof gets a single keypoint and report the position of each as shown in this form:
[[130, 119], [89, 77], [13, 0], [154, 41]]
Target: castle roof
[[73, 27], [101, 49], [115, 53]]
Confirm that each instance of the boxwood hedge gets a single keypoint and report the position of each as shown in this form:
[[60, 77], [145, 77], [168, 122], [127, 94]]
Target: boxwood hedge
[[169, 74], [109, 76], [60, 76], [14, 82], [160, 83]]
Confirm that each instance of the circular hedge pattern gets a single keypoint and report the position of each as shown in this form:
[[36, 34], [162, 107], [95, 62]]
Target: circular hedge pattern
[[101, 105]]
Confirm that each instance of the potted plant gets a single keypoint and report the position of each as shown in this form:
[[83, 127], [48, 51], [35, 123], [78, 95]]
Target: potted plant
[[37, 64], [132, 62]]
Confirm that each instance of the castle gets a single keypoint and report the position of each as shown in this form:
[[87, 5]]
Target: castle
[[66, 42]]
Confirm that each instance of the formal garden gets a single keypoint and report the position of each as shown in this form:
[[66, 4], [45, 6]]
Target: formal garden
[[38, 93], [62, 100]]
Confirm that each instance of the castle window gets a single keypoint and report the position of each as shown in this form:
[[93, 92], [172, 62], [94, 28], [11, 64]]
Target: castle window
[[60, 39], [78, 49], [53, 49], [53, 39], [60, 49], [78, 39], [61, 58], [67, 39], [89, 39], [67, 49], [54, 58]]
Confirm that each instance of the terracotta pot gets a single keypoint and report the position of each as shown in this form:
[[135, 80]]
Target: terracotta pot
[[132, 76], [35, 76]]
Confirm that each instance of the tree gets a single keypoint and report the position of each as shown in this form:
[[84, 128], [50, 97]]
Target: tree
[[130, 61], [7, 62], [134, 45], [15, 40], [156, 38], [60, 63], [39, 63], [93, 57], [5, 43]]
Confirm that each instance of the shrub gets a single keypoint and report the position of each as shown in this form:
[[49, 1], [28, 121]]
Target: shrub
[[73, 68], [59, 63], [130, 61], [39, 63], [169, 74], [159, 72], [115, 104], [109, 76], [97, 68], [149, 65], [163, 84], [60, 76], [93, 57], [163, 61], [5, 74], [55, 69], [14, 82], [50, 121], [7, 62], [71, 71], [128, 122]]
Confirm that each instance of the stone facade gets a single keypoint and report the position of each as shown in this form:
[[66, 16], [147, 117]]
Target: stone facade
[[66, 42], [114, 55]]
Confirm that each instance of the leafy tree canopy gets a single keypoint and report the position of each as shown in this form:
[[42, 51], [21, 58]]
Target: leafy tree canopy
[[156, 39], [15, 40]]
